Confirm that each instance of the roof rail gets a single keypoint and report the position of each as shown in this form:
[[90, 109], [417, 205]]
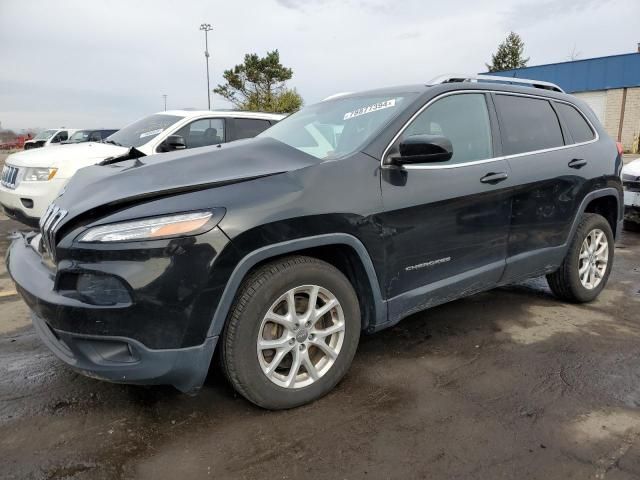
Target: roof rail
[[495, 78]]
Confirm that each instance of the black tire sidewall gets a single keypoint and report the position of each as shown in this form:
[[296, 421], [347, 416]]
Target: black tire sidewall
[[255, 385]]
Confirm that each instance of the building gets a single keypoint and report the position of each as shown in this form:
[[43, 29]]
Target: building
[[610, 85]]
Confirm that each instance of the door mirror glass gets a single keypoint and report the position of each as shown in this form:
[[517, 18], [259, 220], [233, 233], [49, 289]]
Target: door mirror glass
[[174, 142], [424, 149]]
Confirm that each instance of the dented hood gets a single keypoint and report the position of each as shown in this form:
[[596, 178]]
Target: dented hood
[[175, 172]]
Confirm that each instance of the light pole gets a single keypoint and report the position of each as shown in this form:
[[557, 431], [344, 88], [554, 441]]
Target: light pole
[[206, 28], [165, 102]]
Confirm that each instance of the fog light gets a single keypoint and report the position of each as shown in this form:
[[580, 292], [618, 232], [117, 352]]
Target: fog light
[[102, 289]]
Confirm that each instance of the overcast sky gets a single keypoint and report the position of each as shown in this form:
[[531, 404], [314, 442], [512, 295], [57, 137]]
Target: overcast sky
[[106, 63]]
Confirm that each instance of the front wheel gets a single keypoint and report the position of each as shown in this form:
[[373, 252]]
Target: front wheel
[[587, 266], [292, 332]]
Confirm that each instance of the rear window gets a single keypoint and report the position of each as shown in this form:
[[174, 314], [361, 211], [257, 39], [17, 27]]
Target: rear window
[[527, 124], [578, 127], [249, 127]]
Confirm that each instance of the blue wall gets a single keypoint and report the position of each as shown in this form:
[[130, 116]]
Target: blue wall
[[601, 73]]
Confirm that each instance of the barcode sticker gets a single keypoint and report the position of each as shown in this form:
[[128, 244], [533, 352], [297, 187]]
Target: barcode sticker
[[371, 108]]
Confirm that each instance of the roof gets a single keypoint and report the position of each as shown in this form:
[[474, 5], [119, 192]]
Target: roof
[[601, 73], [395, 90], [223, 113]]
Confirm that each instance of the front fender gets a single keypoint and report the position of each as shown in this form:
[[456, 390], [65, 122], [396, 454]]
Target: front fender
[[271, 251]]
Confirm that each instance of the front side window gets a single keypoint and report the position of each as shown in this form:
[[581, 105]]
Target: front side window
[[95, 137], [336, 128], [578, 127], [143, 131], [80, 136], [464, 120], [249, 127], [60, 137], [203, 132], [527, 124]]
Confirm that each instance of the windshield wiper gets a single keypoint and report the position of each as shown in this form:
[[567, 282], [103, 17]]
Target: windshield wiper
[[132, 154]]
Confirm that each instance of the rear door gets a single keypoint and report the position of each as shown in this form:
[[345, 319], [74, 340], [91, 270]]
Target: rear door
[[447, 222], [550, 170]]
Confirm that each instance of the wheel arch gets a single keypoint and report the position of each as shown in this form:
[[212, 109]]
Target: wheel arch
[[342, 250], [606, 205]]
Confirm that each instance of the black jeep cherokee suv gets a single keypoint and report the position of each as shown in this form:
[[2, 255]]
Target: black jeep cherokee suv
[[345, 217]]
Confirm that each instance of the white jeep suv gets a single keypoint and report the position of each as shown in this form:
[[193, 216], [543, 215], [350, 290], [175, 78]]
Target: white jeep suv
[[32, 179], [52, 136]]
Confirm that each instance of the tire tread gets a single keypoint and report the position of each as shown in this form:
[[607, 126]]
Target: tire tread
[[247, 292], [561, 281]]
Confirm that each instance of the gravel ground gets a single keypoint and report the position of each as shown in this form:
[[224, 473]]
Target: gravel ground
[[507, 384]]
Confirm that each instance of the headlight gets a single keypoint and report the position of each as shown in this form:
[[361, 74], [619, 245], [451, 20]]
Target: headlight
[[38, 174], [151, 228]]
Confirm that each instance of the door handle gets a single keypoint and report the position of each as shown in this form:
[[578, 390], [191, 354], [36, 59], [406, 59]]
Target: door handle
[[577, 163], [494, 178]]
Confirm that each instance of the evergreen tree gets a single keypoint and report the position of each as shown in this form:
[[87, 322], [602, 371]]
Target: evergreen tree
[[259, 84], [509, 55]]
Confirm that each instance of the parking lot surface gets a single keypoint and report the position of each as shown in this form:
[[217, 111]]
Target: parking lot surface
[[507, 384]]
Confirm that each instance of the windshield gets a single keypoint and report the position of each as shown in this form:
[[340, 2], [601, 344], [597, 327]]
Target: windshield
[[80, 136], [335, 128], [142, 131], [45, 135]]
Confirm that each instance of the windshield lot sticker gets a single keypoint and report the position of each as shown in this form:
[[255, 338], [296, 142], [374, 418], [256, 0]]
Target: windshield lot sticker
[[371, 108], [152, 132]]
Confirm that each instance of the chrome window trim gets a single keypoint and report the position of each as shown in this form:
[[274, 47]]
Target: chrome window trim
[[493, 159]]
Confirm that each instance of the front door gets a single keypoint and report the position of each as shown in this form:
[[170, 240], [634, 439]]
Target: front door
[[446, 223]]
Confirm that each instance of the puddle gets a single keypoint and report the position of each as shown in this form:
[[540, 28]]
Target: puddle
[[544, 322], [599, 426]]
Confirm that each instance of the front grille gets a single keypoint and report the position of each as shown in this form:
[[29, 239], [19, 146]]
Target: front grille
[[9, 176], [48, 228]]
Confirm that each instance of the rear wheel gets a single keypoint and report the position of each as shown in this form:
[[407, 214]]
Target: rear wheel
[[292, 332], [587, 265]]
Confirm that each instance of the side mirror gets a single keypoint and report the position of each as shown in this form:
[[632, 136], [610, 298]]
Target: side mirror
[[423, 149], [174, 142]]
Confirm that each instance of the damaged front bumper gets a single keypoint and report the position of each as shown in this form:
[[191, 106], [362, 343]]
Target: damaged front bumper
[[111, 357]]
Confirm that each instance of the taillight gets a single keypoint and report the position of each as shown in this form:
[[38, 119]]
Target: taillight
[[620, 148]]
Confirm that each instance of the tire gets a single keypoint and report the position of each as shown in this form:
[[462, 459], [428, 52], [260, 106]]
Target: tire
[[565, 282], [630, 226], [266, 290]]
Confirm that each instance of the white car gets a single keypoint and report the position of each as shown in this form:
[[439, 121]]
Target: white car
[[631, 182], [52, 136], [32, 179]]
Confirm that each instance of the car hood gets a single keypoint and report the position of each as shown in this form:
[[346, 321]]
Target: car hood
[[81, 153], [632, 168], [176, 172]]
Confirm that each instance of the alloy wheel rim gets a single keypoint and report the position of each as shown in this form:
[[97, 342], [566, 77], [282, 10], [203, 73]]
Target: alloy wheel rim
[[300, 336], [593, 259]]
